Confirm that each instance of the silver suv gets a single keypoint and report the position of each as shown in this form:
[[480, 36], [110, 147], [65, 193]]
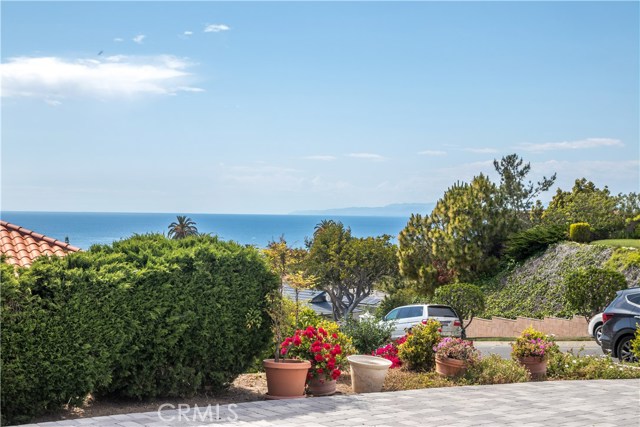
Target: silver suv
[[406, 317]]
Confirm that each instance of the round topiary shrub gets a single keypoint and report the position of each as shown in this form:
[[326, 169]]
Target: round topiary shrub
[[590, 290], [580, 232]]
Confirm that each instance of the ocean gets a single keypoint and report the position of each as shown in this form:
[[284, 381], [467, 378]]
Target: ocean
[[87, 228]]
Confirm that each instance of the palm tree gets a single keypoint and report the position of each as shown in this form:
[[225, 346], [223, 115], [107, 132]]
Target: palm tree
[[323, 225], [183, 228]]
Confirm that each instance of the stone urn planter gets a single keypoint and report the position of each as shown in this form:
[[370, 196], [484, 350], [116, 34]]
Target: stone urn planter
[[448, 367], [321, 387], [368, 373], [537, 366], [286, 379]]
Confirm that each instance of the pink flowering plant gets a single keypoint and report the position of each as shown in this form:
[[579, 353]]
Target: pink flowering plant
[[390, 352], [457, 348], [326, 349], [533, 343]]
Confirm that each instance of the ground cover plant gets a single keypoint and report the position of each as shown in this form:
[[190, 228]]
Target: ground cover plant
[[618, 243], [570, 366]]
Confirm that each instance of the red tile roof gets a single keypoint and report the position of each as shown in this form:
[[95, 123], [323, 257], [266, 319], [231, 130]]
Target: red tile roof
[[22, 246]]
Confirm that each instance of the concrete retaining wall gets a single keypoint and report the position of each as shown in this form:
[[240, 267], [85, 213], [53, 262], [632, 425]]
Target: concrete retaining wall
[[501, 327]]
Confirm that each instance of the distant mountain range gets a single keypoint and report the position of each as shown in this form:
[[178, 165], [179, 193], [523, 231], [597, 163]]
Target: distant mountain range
[[395, 209]]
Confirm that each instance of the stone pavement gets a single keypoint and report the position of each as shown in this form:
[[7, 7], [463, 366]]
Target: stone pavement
[[548, 403]]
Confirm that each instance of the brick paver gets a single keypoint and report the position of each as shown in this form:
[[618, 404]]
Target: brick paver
[[549, 403]]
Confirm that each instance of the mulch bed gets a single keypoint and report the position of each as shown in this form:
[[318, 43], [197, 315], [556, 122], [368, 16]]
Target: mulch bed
[[246, 388]]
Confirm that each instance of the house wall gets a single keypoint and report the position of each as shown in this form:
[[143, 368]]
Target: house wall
[[507, 328]]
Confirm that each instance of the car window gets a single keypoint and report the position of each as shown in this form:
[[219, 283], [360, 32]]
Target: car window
[[441, 312], [393, 314], [407, 312], [634, 299]]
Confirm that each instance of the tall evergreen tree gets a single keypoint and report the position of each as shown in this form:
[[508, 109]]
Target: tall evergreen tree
[[518, 195], [463, 235]]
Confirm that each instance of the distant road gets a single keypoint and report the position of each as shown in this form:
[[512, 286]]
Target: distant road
[[504, 349]]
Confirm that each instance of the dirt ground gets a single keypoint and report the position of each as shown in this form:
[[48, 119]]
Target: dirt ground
[[246, 388]]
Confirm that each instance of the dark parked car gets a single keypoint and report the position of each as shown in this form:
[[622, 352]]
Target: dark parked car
[[621, 320]]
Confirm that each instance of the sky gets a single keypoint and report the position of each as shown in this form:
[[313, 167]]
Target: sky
[[274, 107]]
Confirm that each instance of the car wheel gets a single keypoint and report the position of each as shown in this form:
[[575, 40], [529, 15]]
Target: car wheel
[[597, 333], [624, 350]]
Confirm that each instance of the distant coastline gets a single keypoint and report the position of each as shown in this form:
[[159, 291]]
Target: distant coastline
[[392, 210]]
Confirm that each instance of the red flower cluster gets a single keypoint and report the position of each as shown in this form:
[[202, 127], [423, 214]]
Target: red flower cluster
[[390, 352], [319, 348]]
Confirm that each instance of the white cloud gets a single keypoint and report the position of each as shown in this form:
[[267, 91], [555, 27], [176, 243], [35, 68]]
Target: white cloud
[[432, 153], [55, 78], [366, 156], [320, 157], [216, 28], [139, 38], [188, 33], [572, 145], [484, 150], [118, 40], [189, 89], [53, 102]]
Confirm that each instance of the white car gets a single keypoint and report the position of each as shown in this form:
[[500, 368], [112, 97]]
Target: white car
[[595, 327], [406, 317]]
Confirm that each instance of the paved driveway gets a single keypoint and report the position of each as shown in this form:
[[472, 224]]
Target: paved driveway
[[547, 403], [504, 349]]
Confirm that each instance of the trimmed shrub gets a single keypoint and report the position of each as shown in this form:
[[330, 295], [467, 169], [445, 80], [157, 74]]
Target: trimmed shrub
[[590, 290], [527, 243], [367, 333], [146, 317], [493, 369], [60, 337], [580, 232], [417, 351]]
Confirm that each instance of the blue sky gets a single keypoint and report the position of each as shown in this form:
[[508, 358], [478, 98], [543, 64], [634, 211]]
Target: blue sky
[[274, 107]]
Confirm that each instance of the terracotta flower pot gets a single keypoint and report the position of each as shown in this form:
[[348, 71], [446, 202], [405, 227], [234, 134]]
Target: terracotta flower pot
[[321, 387], [286, 379], [448, 367], [536, 366], [368, 373]]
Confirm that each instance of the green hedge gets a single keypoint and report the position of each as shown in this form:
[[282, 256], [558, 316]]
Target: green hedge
[[145, 317]]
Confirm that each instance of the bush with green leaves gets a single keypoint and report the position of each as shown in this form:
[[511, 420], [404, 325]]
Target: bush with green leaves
[[590, 290], [580, 232], [367, 333], [466, 299], [527, 243], [493, 369], [635, 344], [417, 351], [148, 316], [570, 366]]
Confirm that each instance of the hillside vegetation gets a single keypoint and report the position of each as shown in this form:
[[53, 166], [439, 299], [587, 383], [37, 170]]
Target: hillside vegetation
[[535, 287]]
